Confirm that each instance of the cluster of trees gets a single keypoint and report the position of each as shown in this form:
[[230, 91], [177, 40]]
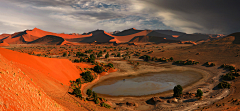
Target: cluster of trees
[[79, 54], [145, 57], [76, 86], [92, 94], [89, 51], [230, 76], [186, 62], [137, 54], [98, 69], [163, 59], [178, 92], [148, 58], [228, 67]]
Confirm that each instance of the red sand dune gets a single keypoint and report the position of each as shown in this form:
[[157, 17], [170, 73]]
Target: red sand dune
[[3, 43], [61, 70], [40, 33], [31, 35], [4, 35], [127, 38]]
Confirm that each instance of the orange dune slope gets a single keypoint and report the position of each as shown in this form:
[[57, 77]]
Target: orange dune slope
[[19, 93], [40, 33], [61, 70]]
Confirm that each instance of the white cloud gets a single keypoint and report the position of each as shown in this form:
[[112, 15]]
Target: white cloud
[[76, 16]]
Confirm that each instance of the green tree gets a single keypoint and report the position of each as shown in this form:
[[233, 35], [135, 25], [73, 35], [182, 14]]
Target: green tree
[[118, 55], [199, 93], [87, 76], [110, 65], [91, 58], [98, 69], [99, 54], [171, 58], [95, 97], [89, 92], [177, 91], [107, 55], [64, 54]]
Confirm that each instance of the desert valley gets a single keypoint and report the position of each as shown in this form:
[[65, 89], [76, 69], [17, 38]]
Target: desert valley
[[127, 70]]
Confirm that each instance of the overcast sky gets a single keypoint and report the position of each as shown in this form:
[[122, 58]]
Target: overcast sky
[[78, 16]]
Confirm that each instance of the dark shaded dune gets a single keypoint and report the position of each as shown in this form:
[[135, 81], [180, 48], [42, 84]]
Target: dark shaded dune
[[19, 34], [170, 32], [97, 36], [127, 32], [48, 40], [75, 39], [157, 34], [237, 37], [193, 37], [230, 39], [142, 39]]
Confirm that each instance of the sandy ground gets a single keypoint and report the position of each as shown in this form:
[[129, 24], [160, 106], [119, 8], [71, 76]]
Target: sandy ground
[[211, 53]]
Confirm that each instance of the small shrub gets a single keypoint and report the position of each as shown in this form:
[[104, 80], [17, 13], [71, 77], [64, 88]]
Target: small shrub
[[224, 84], [105, 105], [110, 65], [76, 60], [171, 58]]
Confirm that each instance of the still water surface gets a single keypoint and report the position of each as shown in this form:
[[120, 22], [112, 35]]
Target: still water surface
[[146, 84]]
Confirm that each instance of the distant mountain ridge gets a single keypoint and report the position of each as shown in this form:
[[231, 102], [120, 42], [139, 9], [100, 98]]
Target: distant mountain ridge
[[38, 36]]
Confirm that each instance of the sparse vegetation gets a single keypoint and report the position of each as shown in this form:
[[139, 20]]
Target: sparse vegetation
[[186, 62], [223, 85], [105, 105]]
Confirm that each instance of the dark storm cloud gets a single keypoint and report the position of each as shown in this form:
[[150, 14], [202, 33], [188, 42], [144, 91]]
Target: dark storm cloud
[[221, 16]]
